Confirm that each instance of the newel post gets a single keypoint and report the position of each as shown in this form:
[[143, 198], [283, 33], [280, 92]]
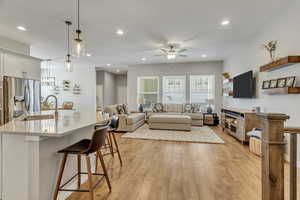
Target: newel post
[[272, 155]]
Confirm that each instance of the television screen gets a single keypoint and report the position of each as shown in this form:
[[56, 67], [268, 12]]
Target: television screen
[[243, 85]]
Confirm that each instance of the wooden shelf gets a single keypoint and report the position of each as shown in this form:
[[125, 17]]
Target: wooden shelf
[[234, 125], [226, 94], [285, 90], [283, 62], [228, 87], [228, 80], [230, 131]]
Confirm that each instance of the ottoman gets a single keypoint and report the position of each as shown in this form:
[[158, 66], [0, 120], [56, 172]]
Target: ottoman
[[170, 122]]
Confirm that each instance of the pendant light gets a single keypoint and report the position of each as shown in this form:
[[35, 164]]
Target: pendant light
[[78, 46], [68, 62], [47, 77]]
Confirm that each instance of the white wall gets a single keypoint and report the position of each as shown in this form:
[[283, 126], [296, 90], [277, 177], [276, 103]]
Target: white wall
[[192, 68], [109, 89], [121, 89], [100, 88], [249, 56], [12, 45], [83, 74]]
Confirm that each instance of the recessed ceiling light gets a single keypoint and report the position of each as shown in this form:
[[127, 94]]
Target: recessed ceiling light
[[225, 22], [21, 28], [143, 59], [120, 32], [88, 55], [203, 55], [108, 64], [118, 70]]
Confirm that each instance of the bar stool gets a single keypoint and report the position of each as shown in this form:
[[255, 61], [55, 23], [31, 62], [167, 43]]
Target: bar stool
[[84, 147], [111, 139]]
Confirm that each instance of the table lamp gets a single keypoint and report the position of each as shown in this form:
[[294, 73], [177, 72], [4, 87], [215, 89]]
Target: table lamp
[[141, 103], [209, 103]]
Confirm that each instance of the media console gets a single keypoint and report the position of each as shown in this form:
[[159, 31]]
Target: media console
[[238, 122]]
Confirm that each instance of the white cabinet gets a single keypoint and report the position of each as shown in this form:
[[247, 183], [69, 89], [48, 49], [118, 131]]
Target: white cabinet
[[19, 66]]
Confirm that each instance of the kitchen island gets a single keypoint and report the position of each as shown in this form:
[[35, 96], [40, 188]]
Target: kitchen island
[[29, 158]]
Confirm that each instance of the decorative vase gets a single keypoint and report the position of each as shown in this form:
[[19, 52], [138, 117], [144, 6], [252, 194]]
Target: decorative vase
[[273, 56]]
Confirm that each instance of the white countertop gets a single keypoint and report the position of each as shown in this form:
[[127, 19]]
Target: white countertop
[[66, 122]]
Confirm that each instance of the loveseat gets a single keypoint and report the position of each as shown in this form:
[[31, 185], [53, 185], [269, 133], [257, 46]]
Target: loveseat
[[179, 109], [128, 122]]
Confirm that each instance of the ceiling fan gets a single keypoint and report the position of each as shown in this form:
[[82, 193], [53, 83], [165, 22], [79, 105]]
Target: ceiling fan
[[172, 51]]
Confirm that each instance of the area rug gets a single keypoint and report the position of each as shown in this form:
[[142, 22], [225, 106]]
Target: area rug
[[197, 135]]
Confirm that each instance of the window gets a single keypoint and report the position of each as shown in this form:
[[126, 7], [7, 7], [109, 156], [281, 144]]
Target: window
[[148, 90], [174, 89], [201, 88]]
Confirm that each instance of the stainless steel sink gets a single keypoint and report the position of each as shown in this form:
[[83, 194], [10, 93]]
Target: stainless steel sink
[[37, 117]]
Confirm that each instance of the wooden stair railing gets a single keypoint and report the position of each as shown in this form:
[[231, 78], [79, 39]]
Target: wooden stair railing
[[272, 155], [293, 131]]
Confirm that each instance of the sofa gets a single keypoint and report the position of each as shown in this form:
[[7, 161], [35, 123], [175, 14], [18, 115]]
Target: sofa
[[179, 109], [127, 122]]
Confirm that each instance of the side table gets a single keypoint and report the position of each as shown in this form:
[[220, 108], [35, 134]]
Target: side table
[[210, 119]]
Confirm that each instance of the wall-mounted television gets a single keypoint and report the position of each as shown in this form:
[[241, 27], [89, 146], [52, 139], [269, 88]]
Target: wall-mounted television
[[243, 85]]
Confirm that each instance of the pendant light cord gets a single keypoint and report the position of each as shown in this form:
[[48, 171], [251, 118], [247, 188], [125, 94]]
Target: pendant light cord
[[78, 10], [68, 40]]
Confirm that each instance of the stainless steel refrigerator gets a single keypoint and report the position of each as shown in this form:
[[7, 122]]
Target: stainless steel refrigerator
[[19, 96]]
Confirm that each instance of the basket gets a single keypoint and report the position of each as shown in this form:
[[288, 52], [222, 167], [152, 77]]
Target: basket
[[255, 146]]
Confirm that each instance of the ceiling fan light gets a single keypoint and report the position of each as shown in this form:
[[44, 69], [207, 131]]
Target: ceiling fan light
[[171, 56]]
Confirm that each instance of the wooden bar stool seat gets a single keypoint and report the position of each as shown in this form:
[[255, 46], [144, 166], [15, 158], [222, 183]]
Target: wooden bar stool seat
[[77, 148], [84, 147]]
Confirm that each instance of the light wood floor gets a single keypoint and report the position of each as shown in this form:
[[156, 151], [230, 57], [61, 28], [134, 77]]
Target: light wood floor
[[157, 170]]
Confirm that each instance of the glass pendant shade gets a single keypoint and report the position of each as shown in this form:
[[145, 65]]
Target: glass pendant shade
[[69, 65], [78, 49], [68, 62]]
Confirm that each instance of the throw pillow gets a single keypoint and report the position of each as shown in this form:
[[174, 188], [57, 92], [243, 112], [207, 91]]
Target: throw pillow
[[158, 107], [120, 109], [188, 108], [196, 108], [125, 109], [111, 109]]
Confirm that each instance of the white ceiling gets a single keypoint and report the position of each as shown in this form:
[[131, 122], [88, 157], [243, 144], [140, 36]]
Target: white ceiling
[[147, 24]]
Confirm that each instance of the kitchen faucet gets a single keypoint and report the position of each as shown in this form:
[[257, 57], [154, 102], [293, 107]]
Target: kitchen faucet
[[56, 108]]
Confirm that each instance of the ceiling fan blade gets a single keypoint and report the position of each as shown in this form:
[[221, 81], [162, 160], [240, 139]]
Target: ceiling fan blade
[[164, 50], [159, 55], [154, 49], [157, 38], [181, 55], [182, 50]]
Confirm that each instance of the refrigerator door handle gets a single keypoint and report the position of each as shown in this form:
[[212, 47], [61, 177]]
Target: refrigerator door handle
[[25, 97], [29, 95], [27, 100]]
